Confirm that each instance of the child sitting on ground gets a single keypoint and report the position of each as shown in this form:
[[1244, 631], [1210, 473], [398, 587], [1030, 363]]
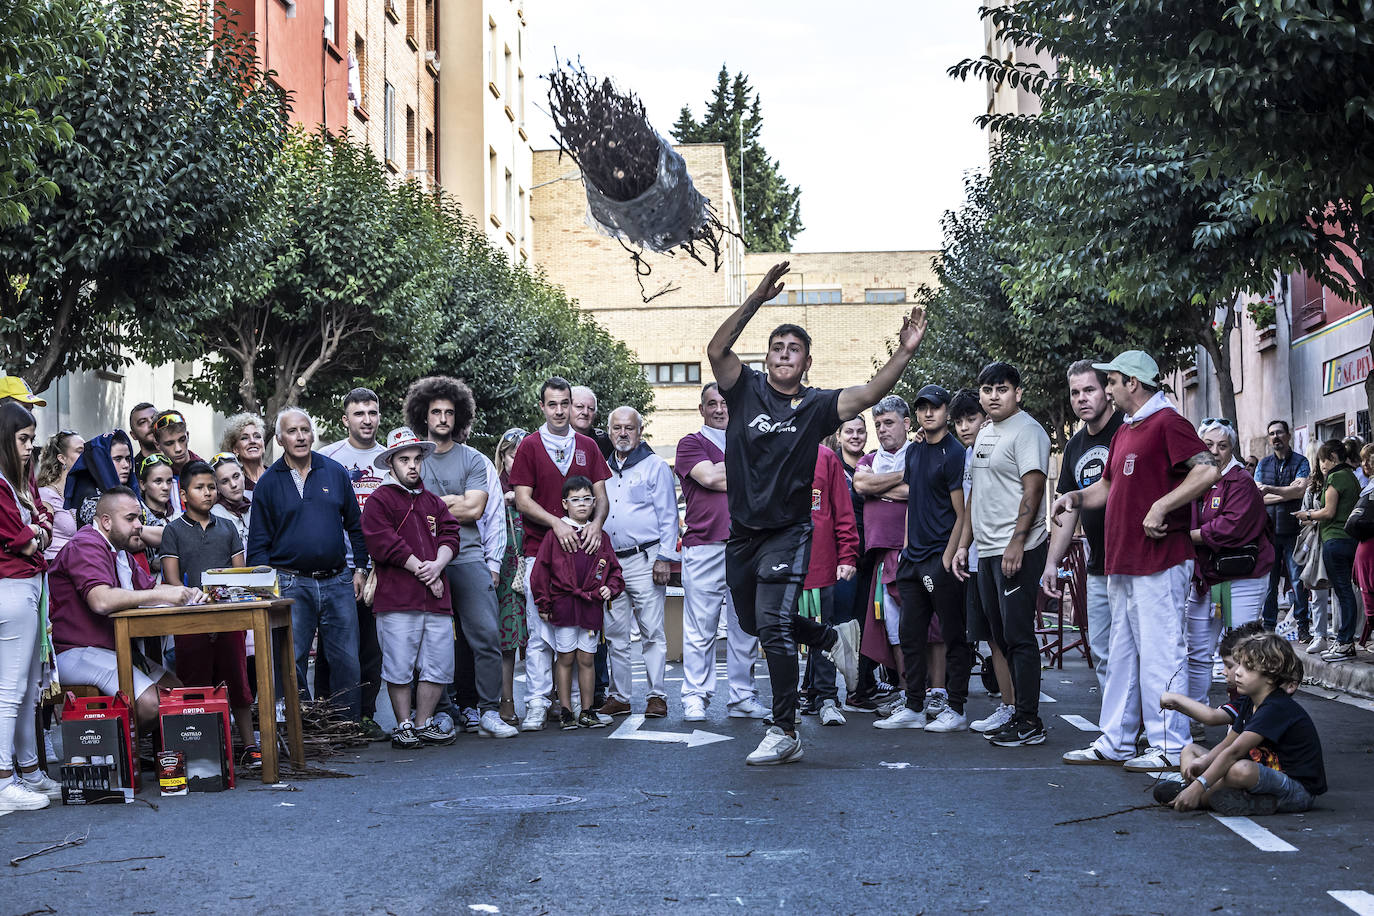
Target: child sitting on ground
[[1220, 715], [1271, 758], [571, 591]]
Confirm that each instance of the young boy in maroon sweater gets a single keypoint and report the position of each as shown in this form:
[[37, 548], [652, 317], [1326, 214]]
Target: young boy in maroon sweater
[[411, 537], [571, 590]]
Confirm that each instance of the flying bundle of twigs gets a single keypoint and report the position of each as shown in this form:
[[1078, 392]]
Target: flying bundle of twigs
[[638, 189]]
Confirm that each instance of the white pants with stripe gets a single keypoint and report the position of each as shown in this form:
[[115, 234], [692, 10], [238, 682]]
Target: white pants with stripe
[[1204, 628], [539, 650], [704, 594], [642, 600], [1146, 657]]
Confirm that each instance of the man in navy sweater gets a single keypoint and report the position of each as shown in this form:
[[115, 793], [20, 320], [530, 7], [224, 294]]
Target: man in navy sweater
[[303, 508]]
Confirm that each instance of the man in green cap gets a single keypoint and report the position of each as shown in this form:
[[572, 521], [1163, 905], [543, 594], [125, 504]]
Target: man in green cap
[[1156, 468]]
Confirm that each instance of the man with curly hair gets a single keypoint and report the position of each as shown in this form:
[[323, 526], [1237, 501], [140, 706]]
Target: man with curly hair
[[442, 409]]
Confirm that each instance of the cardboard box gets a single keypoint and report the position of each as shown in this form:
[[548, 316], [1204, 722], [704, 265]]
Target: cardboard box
[[195, 721], [98, 731], [240, 583]]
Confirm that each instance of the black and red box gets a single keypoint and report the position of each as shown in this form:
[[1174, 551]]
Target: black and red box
[[98, 745], [195, 721]]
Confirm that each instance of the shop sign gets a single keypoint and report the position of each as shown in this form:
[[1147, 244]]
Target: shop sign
[[1344, 371]]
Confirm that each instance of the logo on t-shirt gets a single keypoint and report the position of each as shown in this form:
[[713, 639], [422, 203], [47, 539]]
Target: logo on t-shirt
[[364, 480], [815, 500], [1216, 502], [433, 525], [581, 458], [1090, 465], [1129, 467], [764, 425]]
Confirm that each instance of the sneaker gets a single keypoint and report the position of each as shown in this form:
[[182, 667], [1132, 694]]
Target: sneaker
[[655, 708], [809, 706], [693, 710], [775, 748], [1154, 760], [429, 733], [748, 709], [1020, 731], [1339, 652], [535, 716], [1167, 788], [371, 730], [251, 759], [42, 783], [614, 706], [590, 718], [886, 694], [1304, 632], [1089, 756], [491, 725], [947, 721], [566, 720], [1000, 716], [1318, 646], [897, 702], [444, 722], [403, 738], [844, 654], [937, 701], [859, 704], [471, 719], [17, 797], [1240, 803], [830, 713], [903, 718], [1219, 673]]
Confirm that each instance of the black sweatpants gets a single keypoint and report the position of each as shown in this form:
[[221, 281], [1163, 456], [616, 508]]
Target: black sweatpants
[[765, 571], [928, 588], [1014, 625]]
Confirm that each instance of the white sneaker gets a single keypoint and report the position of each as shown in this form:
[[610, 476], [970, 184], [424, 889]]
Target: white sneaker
[[1340, 651], [891, 706], [693, 710], [1000, 716], [948, 721], [16, 797], [777, 747], [845, 653], [42, 783], [903, 718], [748, 709], [830, 713], [492, 726], [1318, 646], [1154, 760], [535, 716]]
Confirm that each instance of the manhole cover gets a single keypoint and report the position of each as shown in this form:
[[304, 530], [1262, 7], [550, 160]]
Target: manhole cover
[[508, 802]]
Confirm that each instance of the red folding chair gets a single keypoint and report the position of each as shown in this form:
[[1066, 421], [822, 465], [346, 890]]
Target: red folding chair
[[1052, 627]]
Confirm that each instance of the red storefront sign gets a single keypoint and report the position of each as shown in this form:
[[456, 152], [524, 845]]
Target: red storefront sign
[[1344, 371]]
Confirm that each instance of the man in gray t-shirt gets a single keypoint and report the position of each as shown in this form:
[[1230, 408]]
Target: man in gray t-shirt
[[443, 408]]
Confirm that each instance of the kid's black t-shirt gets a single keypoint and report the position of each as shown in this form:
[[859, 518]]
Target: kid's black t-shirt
[[1290, 743]]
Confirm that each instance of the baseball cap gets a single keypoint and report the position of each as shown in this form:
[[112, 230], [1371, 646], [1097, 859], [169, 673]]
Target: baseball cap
[[12, 386], [932, 393], [1136, 364]]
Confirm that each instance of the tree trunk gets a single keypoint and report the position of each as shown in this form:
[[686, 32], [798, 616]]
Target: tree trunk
[[1220, 352]]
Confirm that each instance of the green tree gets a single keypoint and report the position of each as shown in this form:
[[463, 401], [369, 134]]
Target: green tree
[[175, 127], [770, 207]]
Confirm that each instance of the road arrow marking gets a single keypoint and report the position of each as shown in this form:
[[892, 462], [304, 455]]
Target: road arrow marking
[[629, 731]]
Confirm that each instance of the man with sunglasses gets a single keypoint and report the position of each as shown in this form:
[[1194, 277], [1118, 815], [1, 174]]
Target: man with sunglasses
[[173, 441], [1282, 478]]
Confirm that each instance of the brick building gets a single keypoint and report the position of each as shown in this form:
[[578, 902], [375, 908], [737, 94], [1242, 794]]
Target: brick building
[[850, 302]]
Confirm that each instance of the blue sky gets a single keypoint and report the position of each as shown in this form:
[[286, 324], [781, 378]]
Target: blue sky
[[857, 107]]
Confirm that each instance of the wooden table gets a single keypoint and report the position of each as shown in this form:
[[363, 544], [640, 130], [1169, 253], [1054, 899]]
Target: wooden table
[[262, 617]]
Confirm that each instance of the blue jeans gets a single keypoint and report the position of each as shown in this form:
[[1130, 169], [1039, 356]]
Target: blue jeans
[[327, 605], [1292, 795], [1339, 556], [1283, 564]]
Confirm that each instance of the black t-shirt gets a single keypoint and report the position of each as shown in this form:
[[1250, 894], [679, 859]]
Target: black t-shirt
[[1085, 458], [770, 450], [1290, 743], [932, 473]]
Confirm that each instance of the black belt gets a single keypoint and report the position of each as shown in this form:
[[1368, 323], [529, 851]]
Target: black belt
[[326, 574], [642, 548]]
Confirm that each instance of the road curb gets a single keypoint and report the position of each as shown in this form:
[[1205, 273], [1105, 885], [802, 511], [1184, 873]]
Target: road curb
[[1355, 676]]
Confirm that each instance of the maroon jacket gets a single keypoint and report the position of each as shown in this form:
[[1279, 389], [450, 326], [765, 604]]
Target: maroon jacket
[[834, 533], [397, 523], [566, 585], [15, 533], [1232, 514]]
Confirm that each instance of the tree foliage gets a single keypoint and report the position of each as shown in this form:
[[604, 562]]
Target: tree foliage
[[174, 129], [771, 208]]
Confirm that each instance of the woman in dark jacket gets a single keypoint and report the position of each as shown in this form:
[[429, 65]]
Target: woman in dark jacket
[[108, 461], [1229, 525]]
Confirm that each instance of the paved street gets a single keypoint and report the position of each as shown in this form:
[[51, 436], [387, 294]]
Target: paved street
[[556, 822]]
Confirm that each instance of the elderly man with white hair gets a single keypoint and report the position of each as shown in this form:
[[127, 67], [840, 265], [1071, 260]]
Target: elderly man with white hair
[[303, 509], [643, 527], [584, 419]]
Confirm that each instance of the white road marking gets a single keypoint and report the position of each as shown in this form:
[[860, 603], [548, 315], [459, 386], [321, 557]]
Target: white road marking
[[1046, 698], [629, 731], [1254, 834], [1361, 902], [1081, 723]]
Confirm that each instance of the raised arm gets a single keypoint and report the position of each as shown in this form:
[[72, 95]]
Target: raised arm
[[855, 400], [725, 365]]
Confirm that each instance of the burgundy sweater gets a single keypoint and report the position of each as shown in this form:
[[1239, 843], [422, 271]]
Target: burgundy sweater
[[1232, 514], [397, 523], [834, 533], [566, 585]]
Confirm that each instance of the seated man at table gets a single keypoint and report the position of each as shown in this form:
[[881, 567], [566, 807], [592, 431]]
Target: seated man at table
[[93, 577]]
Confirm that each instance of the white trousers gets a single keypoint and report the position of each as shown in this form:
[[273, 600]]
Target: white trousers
[[1204, 628], [642, 600], [538, 650], [1147, 654], [19, 670], [1099, 628], [704, 594]]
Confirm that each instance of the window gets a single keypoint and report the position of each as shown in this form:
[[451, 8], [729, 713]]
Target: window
[[330, 15], [493, 190], [510, 199], [509, 73], [884, 295], [358, 86], [806, 297], [429, 155], [672, 373], [753, 362], [411, 151], [520, 218], [520, 97], [410, 21], [431, 26], [389, 121], [492, 49]]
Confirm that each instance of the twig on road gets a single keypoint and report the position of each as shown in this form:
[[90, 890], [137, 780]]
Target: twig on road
[[70, 840], [76, 865], [1098, 817]]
